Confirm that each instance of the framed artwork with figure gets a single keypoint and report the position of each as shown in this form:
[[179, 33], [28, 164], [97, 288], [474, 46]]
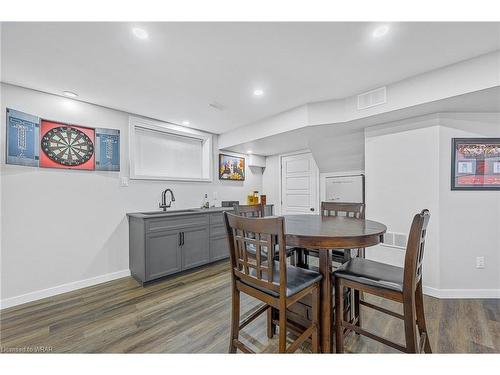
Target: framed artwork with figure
[[231, 167], [475, 164]]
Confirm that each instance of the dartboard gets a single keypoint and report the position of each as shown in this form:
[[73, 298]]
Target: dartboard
[[67, 146]]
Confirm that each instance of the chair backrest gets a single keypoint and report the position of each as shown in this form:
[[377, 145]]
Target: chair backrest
[[253, 210], [252, 246], [355, 210], [415, 250]]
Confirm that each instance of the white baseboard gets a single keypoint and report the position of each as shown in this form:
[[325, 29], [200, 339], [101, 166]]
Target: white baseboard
[[64, 288], [461, 293]]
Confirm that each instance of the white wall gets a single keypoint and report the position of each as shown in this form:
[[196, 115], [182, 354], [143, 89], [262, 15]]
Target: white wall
[[271, 182], [61, 229], [407, 166], [402, 176], [469, 220]]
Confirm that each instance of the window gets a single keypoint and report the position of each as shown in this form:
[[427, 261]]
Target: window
[[163, 151]]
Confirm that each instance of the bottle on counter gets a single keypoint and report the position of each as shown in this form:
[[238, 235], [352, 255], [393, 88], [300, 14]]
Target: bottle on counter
[[206, 203], [250, 199], [263, 199]]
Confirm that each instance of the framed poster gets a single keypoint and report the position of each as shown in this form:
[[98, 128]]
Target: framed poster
[[107, 149], [475, 164], [231, 167], [23, 134], [66, 146]]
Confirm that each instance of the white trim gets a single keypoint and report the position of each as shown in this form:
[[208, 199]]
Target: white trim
[[64, 288], [461, 293]]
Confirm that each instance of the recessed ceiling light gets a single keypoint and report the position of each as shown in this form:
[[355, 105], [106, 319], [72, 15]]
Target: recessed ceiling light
[[140, 33], [249, 151], [70, 94], [380, 31], [185, 123], [258, 92]]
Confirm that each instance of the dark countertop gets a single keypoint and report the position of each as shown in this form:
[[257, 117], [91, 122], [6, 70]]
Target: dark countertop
[[180, 212]]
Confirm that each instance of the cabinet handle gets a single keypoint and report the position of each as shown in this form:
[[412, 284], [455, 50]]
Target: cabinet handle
[[180, 238]]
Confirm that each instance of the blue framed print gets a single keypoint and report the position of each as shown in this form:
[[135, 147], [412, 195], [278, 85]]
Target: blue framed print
[[23, 137]]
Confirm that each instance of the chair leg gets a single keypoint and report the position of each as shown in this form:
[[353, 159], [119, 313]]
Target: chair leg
[[271, 328], [235, 318], [419, 304], [282, 326], [357, 309], [315, 319], [409, 321], [339, 314]]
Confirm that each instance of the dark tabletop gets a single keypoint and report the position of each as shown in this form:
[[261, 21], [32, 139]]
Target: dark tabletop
[[334, 231]]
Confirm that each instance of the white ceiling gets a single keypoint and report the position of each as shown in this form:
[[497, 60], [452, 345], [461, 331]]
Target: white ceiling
[[182, 67]]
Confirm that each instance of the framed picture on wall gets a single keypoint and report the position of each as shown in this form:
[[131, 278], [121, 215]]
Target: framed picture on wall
[[231, 167], [475, 164]]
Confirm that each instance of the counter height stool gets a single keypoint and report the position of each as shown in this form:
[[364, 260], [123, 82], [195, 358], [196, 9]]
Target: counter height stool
[[251, 210], [273, 282], [346, 209], [403, 285]]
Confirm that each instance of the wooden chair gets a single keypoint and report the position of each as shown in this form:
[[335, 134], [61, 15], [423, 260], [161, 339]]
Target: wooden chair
[[403, 285], [275, 283], [253, 210], [257, 210]]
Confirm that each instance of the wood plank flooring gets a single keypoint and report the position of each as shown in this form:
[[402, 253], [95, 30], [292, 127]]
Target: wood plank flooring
[[190, 314]]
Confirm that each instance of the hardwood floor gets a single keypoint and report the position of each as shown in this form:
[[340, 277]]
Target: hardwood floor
[[190, 314]]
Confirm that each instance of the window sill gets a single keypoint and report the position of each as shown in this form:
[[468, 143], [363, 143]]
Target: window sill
[[167, 178]]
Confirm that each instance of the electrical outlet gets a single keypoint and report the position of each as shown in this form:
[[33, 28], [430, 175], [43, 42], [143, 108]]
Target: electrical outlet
[[479, 262]]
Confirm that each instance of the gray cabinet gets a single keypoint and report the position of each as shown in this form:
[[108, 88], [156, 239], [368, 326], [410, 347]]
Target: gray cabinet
[[219, 248], [163, 256], [164, 245], [194, 247]]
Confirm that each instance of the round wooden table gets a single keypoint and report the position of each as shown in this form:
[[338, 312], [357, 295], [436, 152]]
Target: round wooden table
[[324, 233]]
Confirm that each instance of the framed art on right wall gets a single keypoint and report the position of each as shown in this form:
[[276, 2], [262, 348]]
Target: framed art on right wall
[[475, 164]]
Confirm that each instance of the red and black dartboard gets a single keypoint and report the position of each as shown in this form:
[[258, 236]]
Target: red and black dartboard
[[67, 146]]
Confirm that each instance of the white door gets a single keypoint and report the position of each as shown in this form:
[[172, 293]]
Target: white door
[[299, 185]]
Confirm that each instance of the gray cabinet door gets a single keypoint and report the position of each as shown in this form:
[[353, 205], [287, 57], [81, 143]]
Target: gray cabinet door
[[195, 247], [219, 248], [163, 254]]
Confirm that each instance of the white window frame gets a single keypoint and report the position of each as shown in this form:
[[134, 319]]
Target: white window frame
[[168, 128]]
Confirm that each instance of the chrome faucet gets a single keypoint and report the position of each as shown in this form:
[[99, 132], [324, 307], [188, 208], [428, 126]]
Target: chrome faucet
[[163, 203]]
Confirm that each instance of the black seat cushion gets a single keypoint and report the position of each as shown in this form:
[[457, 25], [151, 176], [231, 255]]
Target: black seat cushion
[[297, 279], [369, 272]]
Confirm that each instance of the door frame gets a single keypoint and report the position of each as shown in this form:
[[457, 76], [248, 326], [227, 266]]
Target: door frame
[[294, 153]]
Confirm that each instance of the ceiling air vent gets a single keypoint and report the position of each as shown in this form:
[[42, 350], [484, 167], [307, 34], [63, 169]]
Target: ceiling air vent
[[372, 98]]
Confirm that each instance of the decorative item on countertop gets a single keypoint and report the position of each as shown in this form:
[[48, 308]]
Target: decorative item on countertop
[[206, 203], [263, 199], [231, 168], [229, 203]]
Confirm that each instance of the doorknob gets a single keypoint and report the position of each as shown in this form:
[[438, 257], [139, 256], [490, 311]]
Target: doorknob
[[312, 209]]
